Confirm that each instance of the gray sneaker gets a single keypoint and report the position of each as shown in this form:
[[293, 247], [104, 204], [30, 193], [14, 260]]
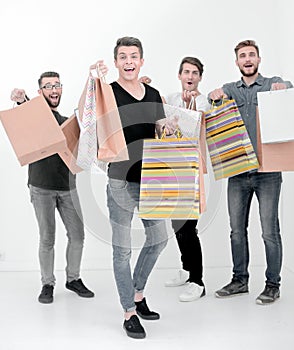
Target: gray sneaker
[[233, 288], [268, 296]]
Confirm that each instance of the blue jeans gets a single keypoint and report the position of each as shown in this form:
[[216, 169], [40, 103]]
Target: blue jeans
[[122, 199], [67, 203], [267, 187]]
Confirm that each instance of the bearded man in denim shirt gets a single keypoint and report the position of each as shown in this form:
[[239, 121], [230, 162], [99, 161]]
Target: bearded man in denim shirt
[[266, 186]]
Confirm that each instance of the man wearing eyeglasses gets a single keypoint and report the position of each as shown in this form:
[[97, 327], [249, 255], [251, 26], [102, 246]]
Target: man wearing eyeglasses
[[52, 186]]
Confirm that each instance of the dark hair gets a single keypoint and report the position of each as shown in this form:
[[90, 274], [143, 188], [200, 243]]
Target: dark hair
[[192, 60], [244, 44], [128, 41], [47, 75]]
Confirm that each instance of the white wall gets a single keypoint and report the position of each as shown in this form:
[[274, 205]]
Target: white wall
[[68, 38]]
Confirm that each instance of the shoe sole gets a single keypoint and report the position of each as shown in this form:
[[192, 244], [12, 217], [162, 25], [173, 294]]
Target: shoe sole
[[79, 294], [193, 299], [148, 318], [175, 285], [135, 335], [50, 301], [259, 302], [187, 300], [230, 295]]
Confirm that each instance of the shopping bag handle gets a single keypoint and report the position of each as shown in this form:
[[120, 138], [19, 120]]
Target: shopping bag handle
[[192, 103], [213, 104], [98, 73], [15, 104], [177, 132]]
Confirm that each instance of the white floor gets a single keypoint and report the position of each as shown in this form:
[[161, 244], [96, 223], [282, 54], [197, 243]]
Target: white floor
[[75, 323]]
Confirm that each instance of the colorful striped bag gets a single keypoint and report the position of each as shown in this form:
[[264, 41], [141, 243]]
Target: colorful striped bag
[[170, 179], [229, 145]]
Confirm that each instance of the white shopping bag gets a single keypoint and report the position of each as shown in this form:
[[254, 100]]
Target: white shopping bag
[[276, 115]]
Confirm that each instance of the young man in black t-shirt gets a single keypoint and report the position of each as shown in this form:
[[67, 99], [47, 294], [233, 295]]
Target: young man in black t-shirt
[[52, 186], [140, 107]]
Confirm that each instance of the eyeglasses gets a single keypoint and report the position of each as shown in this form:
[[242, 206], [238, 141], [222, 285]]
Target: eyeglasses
[[51, 87]]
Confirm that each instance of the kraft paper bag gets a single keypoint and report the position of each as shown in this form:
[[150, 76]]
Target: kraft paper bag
[[111, 141], [33, 131], [277, 157], [274, 156], [170, 186], [71, 131]]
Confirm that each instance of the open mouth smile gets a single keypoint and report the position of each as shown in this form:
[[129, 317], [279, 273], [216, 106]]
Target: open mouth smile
[[129, 69], [54, 97]]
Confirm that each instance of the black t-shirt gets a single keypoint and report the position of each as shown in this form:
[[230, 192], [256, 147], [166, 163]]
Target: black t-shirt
[[138, 118], [51, 173]]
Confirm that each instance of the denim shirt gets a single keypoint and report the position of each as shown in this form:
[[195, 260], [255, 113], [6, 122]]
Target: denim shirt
[[246, 99]]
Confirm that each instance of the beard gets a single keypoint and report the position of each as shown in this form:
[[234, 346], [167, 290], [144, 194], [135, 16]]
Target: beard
[[249, 74], [52, 105]]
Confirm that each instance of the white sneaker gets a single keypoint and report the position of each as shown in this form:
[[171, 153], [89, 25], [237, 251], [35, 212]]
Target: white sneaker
[[179, 280], [192, 292]]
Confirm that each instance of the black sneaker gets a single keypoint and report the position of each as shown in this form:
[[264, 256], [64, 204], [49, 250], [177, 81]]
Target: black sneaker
[[46, 296], [78, 287], [268, 296], [143, 311], [134, 328], [232, 289]]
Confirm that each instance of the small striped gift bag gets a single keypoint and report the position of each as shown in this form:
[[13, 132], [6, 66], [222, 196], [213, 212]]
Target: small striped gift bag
[[170, 179], [229, 145]]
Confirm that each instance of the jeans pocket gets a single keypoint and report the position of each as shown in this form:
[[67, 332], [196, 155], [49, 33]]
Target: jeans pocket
[[31, 188], [116, 184]]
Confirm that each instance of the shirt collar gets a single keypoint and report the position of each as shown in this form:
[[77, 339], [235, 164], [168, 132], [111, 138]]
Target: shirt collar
[[259, 81]]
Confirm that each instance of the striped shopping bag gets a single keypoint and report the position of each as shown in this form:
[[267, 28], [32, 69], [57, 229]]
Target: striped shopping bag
[[88, 146], [229, 145], [170, 179]]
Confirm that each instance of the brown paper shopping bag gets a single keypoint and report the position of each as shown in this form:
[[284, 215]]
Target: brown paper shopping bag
[[275, 156], [33, 131], [71, 131], [111, 141]]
